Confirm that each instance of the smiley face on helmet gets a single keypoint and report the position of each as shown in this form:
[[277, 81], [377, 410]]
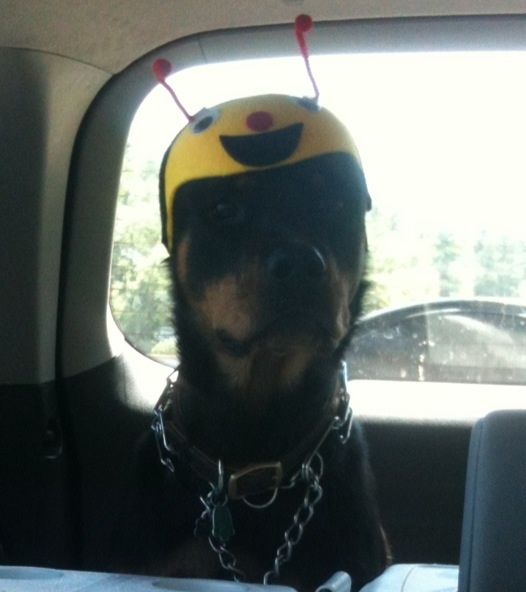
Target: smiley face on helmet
[[249, 134]]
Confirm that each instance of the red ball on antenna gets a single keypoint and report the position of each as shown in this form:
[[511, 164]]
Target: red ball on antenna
[[161, 68], [303, 23]]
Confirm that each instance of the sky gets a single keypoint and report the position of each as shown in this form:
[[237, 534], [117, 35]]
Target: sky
[[441, 135]]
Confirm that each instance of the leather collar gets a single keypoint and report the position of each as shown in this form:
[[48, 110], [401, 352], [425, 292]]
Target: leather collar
[[253, 478]]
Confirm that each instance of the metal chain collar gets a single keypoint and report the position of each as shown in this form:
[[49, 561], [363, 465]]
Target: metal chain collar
[[215, 503], [215, 521], [219, 521], [302, 517]]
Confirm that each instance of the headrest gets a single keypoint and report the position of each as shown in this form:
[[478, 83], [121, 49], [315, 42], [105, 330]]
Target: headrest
[[494, 530]]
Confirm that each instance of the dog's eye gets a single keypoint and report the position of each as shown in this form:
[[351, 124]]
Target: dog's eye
[[224, 211]]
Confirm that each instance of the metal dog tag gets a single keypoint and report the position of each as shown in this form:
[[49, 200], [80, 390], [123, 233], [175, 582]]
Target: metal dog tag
[[222, 524]]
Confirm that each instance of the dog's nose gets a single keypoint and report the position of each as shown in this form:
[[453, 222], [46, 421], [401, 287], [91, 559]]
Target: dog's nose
[[296, 262]]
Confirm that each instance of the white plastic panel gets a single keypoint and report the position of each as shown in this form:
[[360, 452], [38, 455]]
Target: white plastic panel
[[32, 579], [416, 578]]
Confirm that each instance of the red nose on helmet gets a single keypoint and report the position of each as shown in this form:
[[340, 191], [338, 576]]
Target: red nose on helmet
[[259, 121]]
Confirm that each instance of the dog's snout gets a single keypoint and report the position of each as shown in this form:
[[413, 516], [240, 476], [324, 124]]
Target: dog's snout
[[294, 262]]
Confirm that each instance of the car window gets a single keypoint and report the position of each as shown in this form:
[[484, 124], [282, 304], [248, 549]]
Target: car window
[[441, 137]]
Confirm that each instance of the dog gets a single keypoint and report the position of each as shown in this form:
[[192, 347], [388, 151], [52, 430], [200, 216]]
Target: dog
[[265, 477]]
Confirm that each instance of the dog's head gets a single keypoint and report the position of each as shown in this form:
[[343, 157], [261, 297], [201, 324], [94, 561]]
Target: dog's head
[[263, 203]]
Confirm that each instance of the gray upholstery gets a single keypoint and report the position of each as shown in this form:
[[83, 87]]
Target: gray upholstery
[[493, 553]]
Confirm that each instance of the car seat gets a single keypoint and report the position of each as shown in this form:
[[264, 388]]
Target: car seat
[[494, 527]]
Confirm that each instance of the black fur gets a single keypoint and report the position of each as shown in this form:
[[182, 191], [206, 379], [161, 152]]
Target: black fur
[[319, 202]]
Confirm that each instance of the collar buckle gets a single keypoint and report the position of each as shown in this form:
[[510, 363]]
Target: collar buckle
[[254, 479]]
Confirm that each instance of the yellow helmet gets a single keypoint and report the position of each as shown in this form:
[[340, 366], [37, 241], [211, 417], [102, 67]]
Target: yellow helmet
[[248, 134]]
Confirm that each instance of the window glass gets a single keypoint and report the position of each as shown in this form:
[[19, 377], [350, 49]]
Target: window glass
[[441, 136]]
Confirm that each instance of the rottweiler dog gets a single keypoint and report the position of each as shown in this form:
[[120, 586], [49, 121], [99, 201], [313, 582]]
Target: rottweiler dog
[[265, 478]]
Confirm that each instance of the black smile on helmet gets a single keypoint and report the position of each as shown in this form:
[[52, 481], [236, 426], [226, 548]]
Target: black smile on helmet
[[263, 149]]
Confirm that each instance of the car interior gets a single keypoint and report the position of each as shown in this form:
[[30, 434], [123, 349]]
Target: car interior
[[76, 394]]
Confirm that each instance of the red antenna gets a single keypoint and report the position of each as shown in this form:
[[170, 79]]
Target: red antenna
[[161, 69], [303, 25]]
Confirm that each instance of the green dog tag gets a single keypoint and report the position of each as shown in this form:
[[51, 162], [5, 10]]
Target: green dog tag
[[222, 525]]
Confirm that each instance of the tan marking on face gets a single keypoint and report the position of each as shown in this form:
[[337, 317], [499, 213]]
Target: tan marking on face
[[261, 374], [294, 366], [230, 305], [341, 289], [181, 257]]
